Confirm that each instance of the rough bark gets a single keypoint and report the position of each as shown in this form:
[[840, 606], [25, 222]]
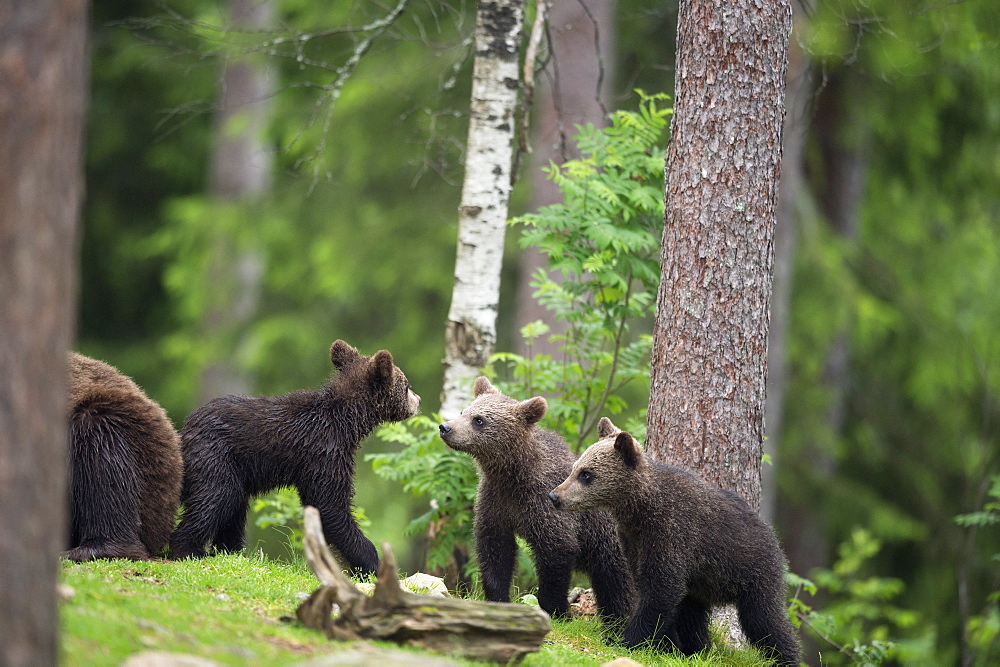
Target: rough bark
[[797, 92], [43, 75], [574, 90], [710, 336], [495, 632], [240, 167], [470, 335]]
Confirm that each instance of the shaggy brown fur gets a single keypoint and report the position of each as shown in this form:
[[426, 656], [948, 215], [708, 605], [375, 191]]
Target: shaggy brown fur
[[125, 466], [237, 447], [691, 544], [518, 463]]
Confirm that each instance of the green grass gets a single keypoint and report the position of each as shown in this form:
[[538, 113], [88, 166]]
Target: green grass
[[237, 610]]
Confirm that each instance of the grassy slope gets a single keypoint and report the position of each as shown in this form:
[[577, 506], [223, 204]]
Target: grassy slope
[[230, 609]]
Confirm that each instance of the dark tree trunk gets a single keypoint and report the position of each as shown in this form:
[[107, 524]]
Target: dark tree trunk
[[709, 362], [573, 89], [43, 73]]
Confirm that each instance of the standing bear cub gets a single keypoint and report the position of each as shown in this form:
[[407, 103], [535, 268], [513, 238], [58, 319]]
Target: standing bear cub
[[237, 447], [518, 463], [124, 466], [692, 546]]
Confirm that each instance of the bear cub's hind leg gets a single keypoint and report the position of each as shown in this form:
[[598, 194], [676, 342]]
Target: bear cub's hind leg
[[104, 488]]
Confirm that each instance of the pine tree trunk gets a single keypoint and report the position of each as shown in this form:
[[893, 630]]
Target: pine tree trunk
[[43, 75], [710, 336], [240, 167], [470, 336]]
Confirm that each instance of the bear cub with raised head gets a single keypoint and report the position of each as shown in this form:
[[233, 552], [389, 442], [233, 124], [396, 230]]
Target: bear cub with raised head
[[518, 463], [124, 466], [692, 546], [238, 447]]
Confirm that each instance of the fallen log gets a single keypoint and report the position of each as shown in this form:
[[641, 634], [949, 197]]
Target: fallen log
[[492, 631]]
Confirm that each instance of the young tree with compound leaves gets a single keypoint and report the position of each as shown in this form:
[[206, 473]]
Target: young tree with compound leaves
[[470, 336], [709, 360], [43, 70]]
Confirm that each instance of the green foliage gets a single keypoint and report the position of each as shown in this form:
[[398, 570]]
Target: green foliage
[[281, 509], [427, 467], [603, 248], [982, 630], [989, 515], [906, 438], [858, 616], [328, 243], [982, 633]]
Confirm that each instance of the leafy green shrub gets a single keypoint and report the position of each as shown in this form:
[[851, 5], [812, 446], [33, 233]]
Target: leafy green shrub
[[989, 515], [982, 631], [427, 467], [282, 509], [858, 617], [603, 248]]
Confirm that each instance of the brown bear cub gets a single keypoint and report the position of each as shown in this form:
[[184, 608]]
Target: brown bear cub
[[237, 447], [124, 466], [691, 545], [518, 463]]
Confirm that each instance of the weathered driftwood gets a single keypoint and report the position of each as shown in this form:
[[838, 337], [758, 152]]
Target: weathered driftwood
[[478, 630]]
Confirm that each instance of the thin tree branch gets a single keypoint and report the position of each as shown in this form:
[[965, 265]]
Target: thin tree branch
[[528, 88], [223, 45], [597, 52], [332, 91], [619, 335]]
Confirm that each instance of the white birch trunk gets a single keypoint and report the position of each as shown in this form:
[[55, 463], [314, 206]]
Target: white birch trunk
[[470, 337]]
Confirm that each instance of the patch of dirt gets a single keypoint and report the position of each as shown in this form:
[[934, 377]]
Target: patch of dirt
[[138, 575], [290, 645]]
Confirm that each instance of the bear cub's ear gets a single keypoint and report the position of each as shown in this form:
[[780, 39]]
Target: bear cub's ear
[[382, 364], [605, 429], [483, 386], [628, 449], [532, 410], [343, 355]]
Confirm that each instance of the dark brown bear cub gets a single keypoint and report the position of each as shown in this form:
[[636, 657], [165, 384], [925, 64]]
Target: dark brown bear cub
[[518, 463], [692, 546], [237, 447], [124, 466]]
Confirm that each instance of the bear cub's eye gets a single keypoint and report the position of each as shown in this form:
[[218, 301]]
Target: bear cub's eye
[[478, 421], [586, 477]]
